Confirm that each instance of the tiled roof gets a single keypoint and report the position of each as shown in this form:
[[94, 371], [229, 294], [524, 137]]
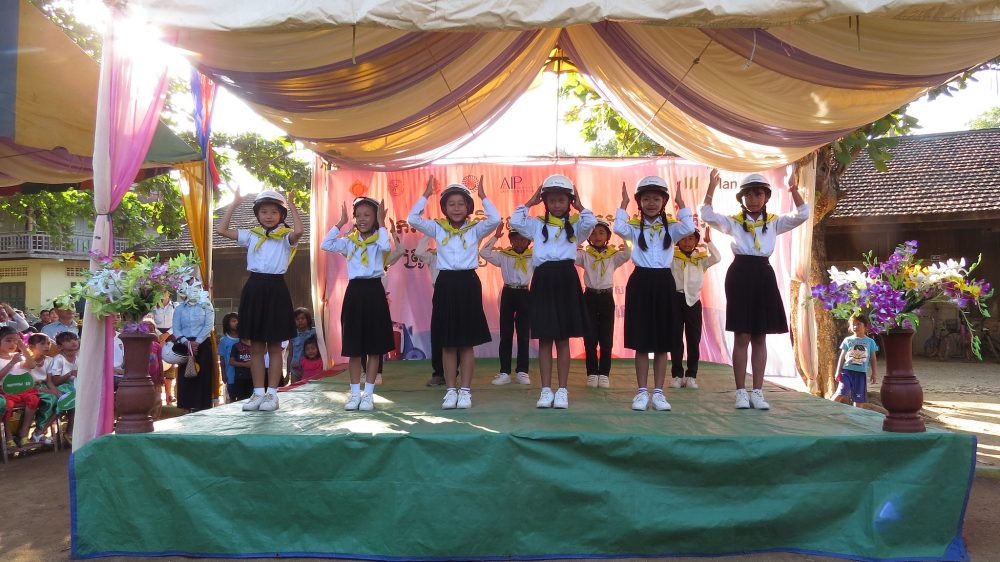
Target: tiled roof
[[242, 218], [928, 174]]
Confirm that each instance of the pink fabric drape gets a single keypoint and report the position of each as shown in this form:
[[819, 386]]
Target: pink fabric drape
[[130, 96]]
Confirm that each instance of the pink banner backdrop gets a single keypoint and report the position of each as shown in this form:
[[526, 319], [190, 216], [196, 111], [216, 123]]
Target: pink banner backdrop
[[509, 184]]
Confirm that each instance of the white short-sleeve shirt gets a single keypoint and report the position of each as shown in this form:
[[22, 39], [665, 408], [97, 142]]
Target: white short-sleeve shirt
[[272, 256]]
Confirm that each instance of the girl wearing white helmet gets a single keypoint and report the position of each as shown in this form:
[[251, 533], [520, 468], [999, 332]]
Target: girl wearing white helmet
[[265, 304], [753, 302], [557, 306], [649, 314], [365, 325], [458, 322]]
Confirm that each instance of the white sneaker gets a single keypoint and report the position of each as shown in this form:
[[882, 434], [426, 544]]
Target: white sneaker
[[502, 378], [545, 399], [523, 378], [691, 383], [660, 402], [757, 400], [676, 382], [464, 400], [253, 404], [41, 439], [378, 378], [450, 399], [269, 404], [561, 400], [742, 400], [592, 381], [641, 401], [353, 401], [367, 403], [603, 381]]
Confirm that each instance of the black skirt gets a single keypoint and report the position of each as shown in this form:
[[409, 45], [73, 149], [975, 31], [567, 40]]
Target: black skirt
[[457, 317], [558, 311], [196, 393], [649, 310], [753, 302], [365, 325], [266, 309]]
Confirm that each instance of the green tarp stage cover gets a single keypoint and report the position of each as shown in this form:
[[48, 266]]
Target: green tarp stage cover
[[505, 480]]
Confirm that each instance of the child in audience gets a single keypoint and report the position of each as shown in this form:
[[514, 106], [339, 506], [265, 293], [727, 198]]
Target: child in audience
[[311, 363], [857, 352], [230, 336], [17, 387], [239, 358]]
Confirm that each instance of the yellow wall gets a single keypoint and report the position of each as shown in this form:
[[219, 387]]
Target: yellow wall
[[45, 279]]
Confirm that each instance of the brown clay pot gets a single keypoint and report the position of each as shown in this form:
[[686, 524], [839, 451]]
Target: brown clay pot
[[901, 393], [136, 396]]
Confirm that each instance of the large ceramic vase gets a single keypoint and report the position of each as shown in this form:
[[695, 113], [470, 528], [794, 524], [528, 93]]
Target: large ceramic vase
[[901, 393], [136, 396]]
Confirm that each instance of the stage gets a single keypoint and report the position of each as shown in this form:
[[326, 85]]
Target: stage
[[506, 480]]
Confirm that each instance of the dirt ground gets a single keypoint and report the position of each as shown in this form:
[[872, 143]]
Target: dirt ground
[[960, 396]]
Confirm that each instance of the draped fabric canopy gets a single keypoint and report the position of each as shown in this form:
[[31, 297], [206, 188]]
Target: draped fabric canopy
[[48, 104], [740, 98]]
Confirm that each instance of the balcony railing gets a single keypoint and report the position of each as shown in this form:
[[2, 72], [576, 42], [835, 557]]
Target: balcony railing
[[38, 245]]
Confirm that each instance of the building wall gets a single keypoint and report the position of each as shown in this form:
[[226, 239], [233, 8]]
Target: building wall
[[44, 279]]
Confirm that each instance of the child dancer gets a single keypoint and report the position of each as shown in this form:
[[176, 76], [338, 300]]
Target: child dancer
[[265, 303], [458, 322], [690, 265], [557, 306], [650, 289], [424, 253], [364, 317], [599, 262], [856, 353], [516, 268], [753, 303]]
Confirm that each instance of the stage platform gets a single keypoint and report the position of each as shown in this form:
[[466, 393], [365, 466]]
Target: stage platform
[[505, 480]]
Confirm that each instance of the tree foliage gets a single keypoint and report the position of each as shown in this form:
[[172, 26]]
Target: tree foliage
[[153, 207], [989, 119], [609, 133]]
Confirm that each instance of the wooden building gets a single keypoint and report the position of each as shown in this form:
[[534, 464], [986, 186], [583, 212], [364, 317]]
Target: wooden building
[[942, 190]]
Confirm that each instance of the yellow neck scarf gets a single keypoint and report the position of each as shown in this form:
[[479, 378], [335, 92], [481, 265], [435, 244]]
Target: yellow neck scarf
[[355, 236], [520, 260], [559, 224], [655, 228], [694, 259], [452, 231], [276, 234], [601, 257], [754, 225]]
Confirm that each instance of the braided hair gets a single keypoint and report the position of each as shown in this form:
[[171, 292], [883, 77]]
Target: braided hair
[[666, 233], [746, 217], [567, 226]]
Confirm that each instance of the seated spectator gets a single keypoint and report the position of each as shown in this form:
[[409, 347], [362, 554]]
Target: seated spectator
[[16, 385], [44, 317], [64, 322], [62, 375], [311, 364], [38, 348]]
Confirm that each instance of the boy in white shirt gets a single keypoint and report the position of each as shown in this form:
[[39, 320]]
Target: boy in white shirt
[[690, 264], [515, 301]]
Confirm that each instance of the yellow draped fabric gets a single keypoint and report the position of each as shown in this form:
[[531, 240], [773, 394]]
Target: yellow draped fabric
[[196, 195]]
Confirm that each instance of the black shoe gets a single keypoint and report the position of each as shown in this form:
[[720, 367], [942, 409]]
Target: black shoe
[[435, 381]]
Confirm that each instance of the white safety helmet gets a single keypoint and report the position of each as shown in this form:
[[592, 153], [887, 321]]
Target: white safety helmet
[[753, 181], [465, 192], [558, 183], [652, 183], [271, 196], [170, 355]]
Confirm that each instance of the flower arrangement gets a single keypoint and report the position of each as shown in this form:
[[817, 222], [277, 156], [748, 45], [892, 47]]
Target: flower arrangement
[[131, 286], [889, 294]]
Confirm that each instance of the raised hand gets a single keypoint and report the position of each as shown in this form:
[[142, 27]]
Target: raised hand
[[714, 179], [576, 203], [708, 234], [343, 216], [430, 187], [678, 199], [499, 231], [382, 212], [482, 189], [535, 199], [625, 197]]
